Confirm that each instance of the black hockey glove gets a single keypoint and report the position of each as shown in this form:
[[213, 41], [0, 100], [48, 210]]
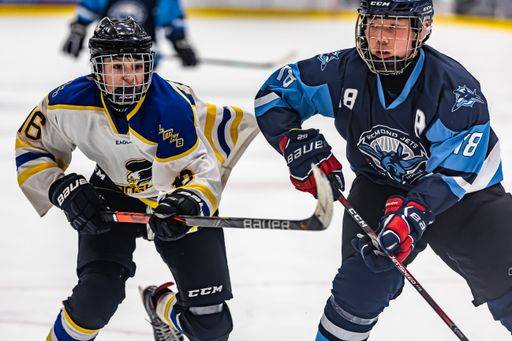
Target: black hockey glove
[[75, 40], [80, 202], [185, 52], [176, 203]]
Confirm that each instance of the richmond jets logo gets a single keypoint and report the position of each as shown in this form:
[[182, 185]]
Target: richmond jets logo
[[464, 97], [326, 58], [393, 154]]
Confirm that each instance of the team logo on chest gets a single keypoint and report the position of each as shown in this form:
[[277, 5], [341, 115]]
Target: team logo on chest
[[138, 176], [464, 97], [393, 153]]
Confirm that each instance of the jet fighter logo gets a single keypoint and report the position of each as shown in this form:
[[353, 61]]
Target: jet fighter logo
[[464, 97]]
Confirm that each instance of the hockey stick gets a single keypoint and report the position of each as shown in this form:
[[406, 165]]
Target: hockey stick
[[373, 236], [319, 221], [243, 63]]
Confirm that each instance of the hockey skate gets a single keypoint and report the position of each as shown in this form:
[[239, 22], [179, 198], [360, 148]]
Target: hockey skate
[[161, 330]]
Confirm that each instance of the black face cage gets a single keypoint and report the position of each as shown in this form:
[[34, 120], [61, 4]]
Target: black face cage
[[393, 65], [123, 78]]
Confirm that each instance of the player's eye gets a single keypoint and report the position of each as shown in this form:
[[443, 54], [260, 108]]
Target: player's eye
[[117, 67]]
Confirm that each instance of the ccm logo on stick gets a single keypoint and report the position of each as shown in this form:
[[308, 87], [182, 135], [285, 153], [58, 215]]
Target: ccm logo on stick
[[379, 3], [204, 291]]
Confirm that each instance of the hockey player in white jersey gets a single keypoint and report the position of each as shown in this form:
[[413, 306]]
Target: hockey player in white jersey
[[158, 149]]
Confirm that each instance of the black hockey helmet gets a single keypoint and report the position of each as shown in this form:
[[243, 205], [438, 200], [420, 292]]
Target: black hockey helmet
[[121, 59], [419, 12], [118, 36]]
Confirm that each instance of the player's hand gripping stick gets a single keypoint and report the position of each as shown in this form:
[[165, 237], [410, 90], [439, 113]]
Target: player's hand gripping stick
[[398, 264]]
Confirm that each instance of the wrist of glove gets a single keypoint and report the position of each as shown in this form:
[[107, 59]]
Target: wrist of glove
[[185, 52], [301, 148], [177, 203], [75, 41], [81, 203], [403, 224]]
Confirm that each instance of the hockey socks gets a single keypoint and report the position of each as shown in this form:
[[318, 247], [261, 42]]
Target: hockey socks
[[165, 309], [65, 329]]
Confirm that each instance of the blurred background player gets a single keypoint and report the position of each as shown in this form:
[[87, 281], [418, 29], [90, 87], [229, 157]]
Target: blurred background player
[[427, 162], [144, 135], [150, 14]]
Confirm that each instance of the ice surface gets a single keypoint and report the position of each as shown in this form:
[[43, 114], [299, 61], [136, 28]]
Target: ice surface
[[280, 279]]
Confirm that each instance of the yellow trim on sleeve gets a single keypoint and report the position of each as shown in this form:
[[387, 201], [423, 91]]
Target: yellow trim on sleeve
[[239, 114], [75, 326], [23, 176], [179, 156], [206, 192], [141, 138], [135, 109], [74, 107], [211, 114], [20, 143]]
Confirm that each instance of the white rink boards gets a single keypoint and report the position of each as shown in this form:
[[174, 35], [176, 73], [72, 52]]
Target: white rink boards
[[280, 279]]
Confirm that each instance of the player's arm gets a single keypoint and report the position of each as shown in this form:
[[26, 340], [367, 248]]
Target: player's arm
[[282, 104], [42, 154], [170, 16], [464, 158], [186, 171], [464, 151], [228, 129], [87, 12]]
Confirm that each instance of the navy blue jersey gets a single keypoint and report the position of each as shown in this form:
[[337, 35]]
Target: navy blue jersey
[[434, 140], [148, 13]]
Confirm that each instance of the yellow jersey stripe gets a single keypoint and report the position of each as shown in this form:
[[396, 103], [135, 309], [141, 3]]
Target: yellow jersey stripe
[[179, 156], [206, 192], [20, 143], [107, 115], [23, 176], [74, 107], [211, 114], [135, 110], [239, 114], [75, 326], [141, 138]]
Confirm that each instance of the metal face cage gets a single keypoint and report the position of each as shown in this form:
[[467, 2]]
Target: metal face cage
[[388, 44], [123, 78]]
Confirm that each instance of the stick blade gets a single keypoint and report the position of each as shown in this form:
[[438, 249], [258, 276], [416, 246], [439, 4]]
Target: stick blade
[[324, 205]]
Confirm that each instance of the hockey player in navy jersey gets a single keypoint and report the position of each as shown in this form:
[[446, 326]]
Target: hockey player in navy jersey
[[427, 162], [158, 149], [150, 14]]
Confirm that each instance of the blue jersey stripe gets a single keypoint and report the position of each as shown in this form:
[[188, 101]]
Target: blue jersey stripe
[[221, 131], [408, 85], [24, 158], [460, 151]]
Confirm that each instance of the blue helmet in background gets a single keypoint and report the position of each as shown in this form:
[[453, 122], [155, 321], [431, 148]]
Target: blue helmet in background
[[374, 13]]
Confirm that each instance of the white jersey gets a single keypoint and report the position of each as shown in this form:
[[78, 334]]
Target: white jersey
[[168, 140]]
